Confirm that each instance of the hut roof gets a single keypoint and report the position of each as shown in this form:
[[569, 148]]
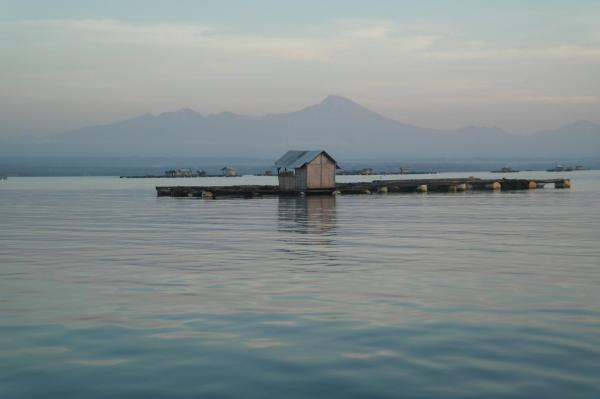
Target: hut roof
[[297, 159]]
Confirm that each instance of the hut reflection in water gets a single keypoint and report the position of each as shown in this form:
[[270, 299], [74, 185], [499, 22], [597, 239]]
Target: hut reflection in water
[[313, 214]]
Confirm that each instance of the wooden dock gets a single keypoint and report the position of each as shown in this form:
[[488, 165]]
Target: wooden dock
[[377, 186]]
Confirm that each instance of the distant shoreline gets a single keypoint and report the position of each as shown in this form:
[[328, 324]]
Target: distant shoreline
[[156, 167]]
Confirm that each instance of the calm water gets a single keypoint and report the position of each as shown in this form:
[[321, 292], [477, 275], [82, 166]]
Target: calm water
[[107, 291]]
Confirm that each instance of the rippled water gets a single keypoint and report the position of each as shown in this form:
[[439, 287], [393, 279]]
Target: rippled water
[[107, 291]]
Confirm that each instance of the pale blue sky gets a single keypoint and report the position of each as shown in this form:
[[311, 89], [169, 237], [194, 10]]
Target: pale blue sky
[[521, 65]]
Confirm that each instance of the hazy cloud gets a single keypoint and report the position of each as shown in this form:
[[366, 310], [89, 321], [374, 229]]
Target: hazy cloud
[[567, 100], [71, 72]]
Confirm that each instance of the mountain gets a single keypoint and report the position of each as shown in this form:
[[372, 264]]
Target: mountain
[[337, 124]]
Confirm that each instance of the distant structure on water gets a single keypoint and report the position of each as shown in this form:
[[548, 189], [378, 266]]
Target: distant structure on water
[[505, 169], [184, 172], [228, 171], [306, 172], [561, 168]]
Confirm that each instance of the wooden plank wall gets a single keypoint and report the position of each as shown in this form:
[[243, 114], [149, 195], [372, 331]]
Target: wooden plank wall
[[320, 173]]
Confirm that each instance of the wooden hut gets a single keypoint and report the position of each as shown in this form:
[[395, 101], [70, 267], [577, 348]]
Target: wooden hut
[[306, 172]]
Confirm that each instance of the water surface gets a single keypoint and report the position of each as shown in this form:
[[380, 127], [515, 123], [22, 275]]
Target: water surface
[[108, 291]]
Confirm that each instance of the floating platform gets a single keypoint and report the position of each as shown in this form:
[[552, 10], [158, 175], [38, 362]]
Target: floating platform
[[377, 186], [195, 175]]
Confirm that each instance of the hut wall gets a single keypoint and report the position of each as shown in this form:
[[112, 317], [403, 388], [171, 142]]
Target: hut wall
[[301, 179], [327, 172], [320, 173], [287, 181]]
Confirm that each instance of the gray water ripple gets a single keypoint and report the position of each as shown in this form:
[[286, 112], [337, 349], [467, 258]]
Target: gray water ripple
[[108, 291]]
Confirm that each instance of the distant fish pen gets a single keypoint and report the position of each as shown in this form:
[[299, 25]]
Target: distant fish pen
[[377, 186]]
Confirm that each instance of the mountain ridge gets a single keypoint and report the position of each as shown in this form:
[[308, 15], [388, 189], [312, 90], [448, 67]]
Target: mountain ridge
[[337, 124]]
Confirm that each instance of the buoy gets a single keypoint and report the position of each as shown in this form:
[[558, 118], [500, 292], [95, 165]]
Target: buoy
[[532, 185], [495, 186], [422, 188], [563, 184]]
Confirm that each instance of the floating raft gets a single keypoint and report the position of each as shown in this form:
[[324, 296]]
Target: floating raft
[[377, 186]]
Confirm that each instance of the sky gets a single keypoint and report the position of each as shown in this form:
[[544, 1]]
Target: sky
[[520, 65]]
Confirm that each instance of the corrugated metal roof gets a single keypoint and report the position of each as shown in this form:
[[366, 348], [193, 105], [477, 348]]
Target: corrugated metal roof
[[297, 159]]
